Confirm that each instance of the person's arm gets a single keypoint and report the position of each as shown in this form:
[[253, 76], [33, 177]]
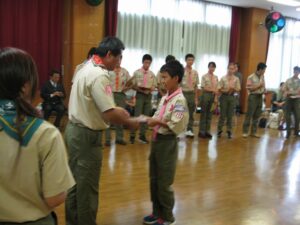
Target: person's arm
[[119, 115], [56, 200], [252, 87]]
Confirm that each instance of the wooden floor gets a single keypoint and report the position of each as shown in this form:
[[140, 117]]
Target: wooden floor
[[218, 182]]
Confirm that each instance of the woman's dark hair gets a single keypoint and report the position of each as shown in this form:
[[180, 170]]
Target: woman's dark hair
[[17, 68], [297, 68], [261, 66], [147, 57], [212, 64], [112, 44], [190, 55], [173, 68]]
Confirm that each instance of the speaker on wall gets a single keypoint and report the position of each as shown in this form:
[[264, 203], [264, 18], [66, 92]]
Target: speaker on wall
[[94, 2], [274, 22]]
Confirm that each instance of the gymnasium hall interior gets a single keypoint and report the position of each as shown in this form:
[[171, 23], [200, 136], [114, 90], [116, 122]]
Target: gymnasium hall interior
[[220, 180]]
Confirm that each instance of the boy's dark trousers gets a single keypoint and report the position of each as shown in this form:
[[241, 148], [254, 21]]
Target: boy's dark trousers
[[163, 157]]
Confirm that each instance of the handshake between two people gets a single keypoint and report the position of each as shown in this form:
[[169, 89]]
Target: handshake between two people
[[135, 122]]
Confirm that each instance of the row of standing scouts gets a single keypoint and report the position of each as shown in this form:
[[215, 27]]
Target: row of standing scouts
[[225, 91], [30, 144]]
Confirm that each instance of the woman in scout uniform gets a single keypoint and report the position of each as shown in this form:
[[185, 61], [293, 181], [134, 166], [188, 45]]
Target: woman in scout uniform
[[189, 87], [144, 82], [170, 120], [209, 85], [118, 77], [228, 86], [256, 89], [34, 171], [292, 93]]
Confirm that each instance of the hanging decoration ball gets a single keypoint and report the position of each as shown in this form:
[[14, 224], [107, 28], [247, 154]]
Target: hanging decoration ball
[[94, 2], [274, 22]]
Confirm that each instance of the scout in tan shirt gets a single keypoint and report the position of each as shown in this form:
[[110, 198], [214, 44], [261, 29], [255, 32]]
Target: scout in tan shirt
[[189, 86], [34, 173], [170, 120], [144, 82], [292, 105], [256, 88], [118, 79], [91, 109], [228, 86], [209, 86]]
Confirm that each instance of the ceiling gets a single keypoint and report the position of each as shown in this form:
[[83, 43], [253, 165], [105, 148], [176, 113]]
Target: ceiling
[[287, 11]]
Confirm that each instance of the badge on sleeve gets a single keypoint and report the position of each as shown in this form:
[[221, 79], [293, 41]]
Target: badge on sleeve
[[108, 90]]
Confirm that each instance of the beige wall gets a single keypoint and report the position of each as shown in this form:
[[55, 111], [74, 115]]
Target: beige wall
[[83, 28]]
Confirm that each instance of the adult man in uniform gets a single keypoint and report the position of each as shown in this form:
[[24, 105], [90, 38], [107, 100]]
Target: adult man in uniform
[[91, 106], [292, 103], [189, 87], [228, 86], [144, 82], [118, 78], [209, 85], [256, 89]]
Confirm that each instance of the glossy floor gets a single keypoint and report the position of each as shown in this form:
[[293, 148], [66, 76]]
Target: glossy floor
[[252, 181]]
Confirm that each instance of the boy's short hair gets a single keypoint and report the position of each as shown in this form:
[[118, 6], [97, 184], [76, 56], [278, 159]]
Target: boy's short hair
[[212, 64], [261, 66], [189, 55], [173, 68], [169, 58], [146, 57]]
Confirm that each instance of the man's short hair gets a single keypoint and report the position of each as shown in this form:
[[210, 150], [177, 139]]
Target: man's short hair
[[54, 71], [173, 68], [112, 44], [261, 66], [297, 68]]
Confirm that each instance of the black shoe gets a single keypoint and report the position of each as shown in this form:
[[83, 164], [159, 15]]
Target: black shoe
[[132, 139], [208, 135], [143, 140], [121, 142], [220, 133], [201, 135], [229, 135], [107, 143], [288, 134]]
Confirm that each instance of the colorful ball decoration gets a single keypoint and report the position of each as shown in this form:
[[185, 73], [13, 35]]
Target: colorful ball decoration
[[94, 2], [274, 22]]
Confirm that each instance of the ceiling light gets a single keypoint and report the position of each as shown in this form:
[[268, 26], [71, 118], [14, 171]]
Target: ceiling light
[[298, 9], [286, 2]]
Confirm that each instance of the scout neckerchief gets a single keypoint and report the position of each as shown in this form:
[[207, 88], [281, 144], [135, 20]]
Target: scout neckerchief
[[145, 78], [97, 61], [163, 109], [8, 115], [189, 76], [118, 73]]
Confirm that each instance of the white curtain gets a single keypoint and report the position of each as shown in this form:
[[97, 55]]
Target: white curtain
[[283, 54], [174, 27]]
